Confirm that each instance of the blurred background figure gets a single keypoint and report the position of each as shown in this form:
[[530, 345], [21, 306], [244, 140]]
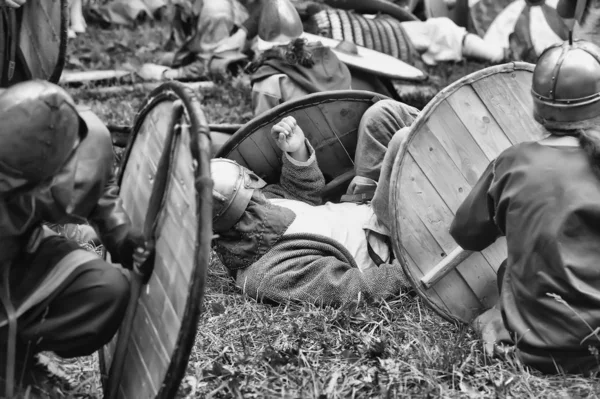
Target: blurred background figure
[[77, 22], [289, 67]]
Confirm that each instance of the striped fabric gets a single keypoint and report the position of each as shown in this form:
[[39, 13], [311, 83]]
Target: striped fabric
[[383, 33]]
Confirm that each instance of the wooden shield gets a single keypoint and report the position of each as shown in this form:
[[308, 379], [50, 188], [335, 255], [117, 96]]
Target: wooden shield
[[329, 120], [43, 38], [450, 144], [167, 314]]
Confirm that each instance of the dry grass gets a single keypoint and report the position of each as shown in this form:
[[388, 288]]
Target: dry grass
[[246, 349]]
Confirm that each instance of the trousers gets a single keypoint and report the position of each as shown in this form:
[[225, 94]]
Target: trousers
[[79, 317], [382, 134]]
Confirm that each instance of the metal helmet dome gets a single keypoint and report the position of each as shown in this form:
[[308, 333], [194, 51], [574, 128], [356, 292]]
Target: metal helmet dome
[[40, 127], [232, 191], [279, 22], [566, 86]]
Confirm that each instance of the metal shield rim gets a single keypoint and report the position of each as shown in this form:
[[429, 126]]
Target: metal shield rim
[[275, 113], [200, 150], [395, 188]]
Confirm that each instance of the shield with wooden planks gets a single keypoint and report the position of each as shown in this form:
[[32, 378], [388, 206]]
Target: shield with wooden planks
[[449, 146], [169, 147], [43, 38], [329, 120]]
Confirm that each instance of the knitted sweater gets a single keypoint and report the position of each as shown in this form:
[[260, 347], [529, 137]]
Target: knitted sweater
[[307, 267]]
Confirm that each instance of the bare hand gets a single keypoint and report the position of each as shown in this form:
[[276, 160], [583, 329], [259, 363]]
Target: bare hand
[[288, 135], [236, 42], [12, 3]]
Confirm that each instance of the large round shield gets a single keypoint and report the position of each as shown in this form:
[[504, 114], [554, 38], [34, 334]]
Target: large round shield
[[168, 309], [43, 38], [449, 146], [329, 120]]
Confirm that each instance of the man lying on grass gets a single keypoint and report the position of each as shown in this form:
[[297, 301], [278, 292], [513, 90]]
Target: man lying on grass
[[281, 243]]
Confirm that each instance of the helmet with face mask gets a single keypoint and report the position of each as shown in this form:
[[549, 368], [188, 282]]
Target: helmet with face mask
[[566, 86], [40, 128], [232, 191]]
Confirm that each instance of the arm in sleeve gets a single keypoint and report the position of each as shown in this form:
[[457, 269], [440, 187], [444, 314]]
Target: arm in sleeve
[[110, 217], [473, 226], [301, 181], [309, 275]]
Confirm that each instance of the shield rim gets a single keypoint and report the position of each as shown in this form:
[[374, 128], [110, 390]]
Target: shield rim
[[395, 188], [324, 97], [62, 48], [199, 145]]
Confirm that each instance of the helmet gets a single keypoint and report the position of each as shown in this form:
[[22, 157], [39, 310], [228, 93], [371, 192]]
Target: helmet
[[566, 86], [40, 128], [284, 24], [232, 190]]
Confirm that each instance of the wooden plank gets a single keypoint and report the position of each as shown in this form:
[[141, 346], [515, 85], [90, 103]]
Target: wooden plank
[[330, 155], [458, 142], [501, 97], [255, 159], [478, 120], [439, 168], [146, 332], [165, 319], [420, 243], [436, 216], [151, 351]]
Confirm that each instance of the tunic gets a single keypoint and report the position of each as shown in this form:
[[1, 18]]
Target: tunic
[[546, 201]]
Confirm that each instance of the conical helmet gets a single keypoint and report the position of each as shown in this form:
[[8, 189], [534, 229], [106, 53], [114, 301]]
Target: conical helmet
[[566, 86], [39, 129], [232, 191], [279, 22]]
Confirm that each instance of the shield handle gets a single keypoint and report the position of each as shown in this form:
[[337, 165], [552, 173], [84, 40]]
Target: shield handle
[[446, 265]]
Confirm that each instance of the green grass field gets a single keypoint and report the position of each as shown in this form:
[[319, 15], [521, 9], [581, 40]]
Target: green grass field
[[246, 349]]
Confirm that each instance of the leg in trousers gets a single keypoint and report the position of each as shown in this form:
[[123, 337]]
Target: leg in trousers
[[377, 127], [83, 314]]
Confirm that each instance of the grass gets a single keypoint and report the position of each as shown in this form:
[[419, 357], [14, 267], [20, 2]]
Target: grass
[[246, 349]]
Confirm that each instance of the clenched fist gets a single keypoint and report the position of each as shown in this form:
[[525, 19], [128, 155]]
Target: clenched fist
[[290, 138]]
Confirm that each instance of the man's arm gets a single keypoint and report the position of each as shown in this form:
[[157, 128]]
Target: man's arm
[[474, 227], [301, 178]]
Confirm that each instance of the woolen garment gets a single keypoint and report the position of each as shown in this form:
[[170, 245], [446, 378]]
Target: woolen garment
[[546, 201], [319, 270], [301, 267]]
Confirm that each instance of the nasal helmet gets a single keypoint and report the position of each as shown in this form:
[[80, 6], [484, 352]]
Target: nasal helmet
[[233, 186], [566, 86]]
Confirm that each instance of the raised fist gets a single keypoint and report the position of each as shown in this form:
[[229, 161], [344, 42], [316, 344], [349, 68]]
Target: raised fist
[[288, 135]]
